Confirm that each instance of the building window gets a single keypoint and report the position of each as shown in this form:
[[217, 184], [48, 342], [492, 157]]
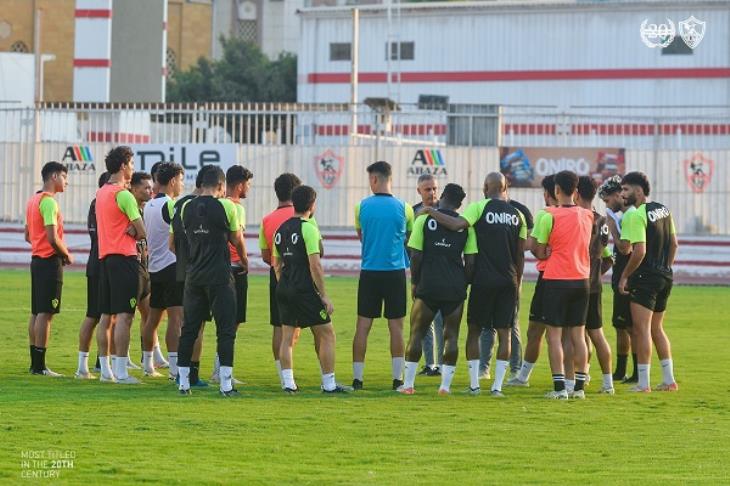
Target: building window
[[247, 30], [19, 46], [340, 51], [676, 47], [171, 62], [405, 51]]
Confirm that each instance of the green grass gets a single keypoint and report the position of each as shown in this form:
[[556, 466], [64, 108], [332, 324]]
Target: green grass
[[149, 434]]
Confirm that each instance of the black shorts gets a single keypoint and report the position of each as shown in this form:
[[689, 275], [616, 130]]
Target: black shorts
[[445, 307], [92, 297], [145, 287], [594, 320], [536, 313], [167, 291], [650, 290], [301, 309], [241, 284], [274, 318], [376, 287], [205, 302], [119, 280], [621, 311], [46, 281], [565, 302], [492, 307]]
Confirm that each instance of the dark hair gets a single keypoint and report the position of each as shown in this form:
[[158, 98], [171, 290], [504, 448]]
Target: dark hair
[[285, 184], [612, 185], [211, 176], [587, 187], [548, 183], [153, 170], [117, 157], [104, 178], [380, 168], [138, 177], [303, 197], [167, 171], [51, 168], [454, 194], [199, 177], [567, 181], [237, 174], [637, 179]]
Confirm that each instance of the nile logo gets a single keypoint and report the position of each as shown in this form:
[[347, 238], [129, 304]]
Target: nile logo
[[78, 158], [428, 161]]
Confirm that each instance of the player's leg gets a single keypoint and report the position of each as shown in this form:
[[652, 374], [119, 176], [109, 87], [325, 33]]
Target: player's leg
[[393, 293], [641, 341], [473, 334], [535, 332], [486, 347], [41, 333], [125, 284], [195, 360], [504, 335], [479, 316], [31, 341], [428, 351], [515, 358], [438, 333], [505, 306], [224, 314], [452, 324], [554, 338], [580, 358], [143, 307], [86, 334], [369, 307], [103, 340], [568, 362], [47, 280], [421, 319], [286, 357], [661, 341], [324, 335], [172, 337], [603, 352], [150, 331], [196, 307], [122, 331]]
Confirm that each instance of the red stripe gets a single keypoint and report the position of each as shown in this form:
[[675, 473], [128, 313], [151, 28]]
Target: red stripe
[[545, 75], [117, 137], [625, 129], [93, 13], [96, 63]]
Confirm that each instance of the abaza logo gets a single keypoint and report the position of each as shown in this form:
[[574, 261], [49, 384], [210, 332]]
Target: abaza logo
[[78, 159], [698, 170], [428, 161], [329, 167]]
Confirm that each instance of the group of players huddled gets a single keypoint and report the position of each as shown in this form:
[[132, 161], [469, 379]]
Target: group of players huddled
[[160, 253]]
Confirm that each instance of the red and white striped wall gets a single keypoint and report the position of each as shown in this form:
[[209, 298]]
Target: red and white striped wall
[[92, 50]]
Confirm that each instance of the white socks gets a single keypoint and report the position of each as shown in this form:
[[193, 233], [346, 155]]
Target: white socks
[[83, 368], [119, 365], [216, 364], [644, 370], [278, 372], [410, 376], [106, 370], [172, 359], [473, 373], [499, 374], [447, 375], [226, 377], [570, 385], [288, 376], [159, 358], [358, 369], [397, 365], [667, 371], [147, 361], [607, 380], [183, 374], [328, 381], [525, 370]]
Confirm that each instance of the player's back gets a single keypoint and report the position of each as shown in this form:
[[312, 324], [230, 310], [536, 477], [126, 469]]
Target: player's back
[[291, 240], [569, 243], [208, 222], [384, 222]]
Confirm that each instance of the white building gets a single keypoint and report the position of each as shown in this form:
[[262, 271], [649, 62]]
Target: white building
[[556, 53]]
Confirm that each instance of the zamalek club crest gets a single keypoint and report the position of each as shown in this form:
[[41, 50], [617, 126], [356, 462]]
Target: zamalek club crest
[[329, 167], [698, 170]]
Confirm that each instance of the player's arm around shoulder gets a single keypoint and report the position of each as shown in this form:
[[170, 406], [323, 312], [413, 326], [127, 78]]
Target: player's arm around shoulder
[[453, 223]]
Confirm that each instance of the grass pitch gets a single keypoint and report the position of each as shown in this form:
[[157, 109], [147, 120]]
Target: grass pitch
[[149, 434]]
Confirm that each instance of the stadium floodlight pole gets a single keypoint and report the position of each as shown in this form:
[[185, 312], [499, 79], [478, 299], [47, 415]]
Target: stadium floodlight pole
[[355, 54]]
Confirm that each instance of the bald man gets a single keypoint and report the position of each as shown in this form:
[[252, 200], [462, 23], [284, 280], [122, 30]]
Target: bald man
[[501, 233]]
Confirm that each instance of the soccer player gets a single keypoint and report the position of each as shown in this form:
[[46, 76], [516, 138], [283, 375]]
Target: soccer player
[[427, 188], [536, 326], [601, 261], [439, 281], [566, 229], [44, 232], [86, 333], [647, 278], [382, 223], [501, 232], [210, 222], [486, 342], [283, 187], [610, 193], [167, 292], [119, 226], [300, 293], [238, 183]]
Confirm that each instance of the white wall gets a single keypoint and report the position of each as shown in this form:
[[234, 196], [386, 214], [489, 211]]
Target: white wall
[[17, 80]]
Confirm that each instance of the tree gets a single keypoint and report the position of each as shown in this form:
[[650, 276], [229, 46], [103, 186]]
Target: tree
[[243, 74]]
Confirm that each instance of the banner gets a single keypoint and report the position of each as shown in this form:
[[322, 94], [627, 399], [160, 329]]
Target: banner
[[526, 167], [192, 156]]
